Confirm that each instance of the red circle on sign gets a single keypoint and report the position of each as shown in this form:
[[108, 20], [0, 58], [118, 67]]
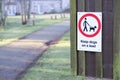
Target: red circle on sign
[[98, 21]]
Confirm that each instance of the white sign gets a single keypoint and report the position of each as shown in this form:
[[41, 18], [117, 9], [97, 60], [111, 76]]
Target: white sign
[[89, 31]]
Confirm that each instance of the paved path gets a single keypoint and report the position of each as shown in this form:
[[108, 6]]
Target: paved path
[[17, 56], [90, 78]]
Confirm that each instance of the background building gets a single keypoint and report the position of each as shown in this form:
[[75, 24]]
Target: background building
[[13, 7]]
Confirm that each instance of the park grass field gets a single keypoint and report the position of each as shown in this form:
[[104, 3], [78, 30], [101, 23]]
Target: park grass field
[[54, 64], [15, 30]]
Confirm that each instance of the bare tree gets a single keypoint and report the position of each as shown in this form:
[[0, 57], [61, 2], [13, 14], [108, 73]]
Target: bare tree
[[29, 9], [23, 12], [3, 14], [0, 11]]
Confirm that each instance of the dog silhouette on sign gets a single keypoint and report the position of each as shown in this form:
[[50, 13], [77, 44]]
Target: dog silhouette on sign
[[92, 28]]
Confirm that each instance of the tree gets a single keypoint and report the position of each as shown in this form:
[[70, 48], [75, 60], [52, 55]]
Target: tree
[[0, 11], [23, 11], [29, 9], [3, 14]]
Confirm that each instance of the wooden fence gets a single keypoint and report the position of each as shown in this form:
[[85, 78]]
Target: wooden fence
[[96, 64]]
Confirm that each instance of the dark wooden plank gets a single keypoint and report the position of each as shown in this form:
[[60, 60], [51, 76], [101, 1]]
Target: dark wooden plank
[[98, 8], [90, 62], [90, 57], [108, 23], [80, 54]]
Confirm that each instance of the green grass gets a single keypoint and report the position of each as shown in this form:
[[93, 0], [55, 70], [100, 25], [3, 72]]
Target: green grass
[[117, 67], [54, 64], [15, 30]]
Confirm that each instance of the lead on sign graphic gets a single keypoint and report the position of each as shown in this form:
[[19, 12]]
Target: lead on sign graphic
[[89, 31]]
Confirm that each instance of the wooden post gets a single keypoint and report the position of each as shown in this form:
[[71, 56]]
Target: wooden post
[[90, 57], [33, 21], [108, 24], [73, 37], [116, 39]]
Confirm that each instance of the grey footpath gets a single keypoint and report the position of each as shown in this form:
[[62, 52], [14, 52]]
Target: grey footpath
[[18, 56], [91, 78]]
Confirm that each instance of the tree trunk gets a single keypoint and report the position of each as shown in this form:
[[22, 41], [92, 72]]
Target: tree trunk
[[23, 11], [29, 10], [3, 14], [0, 11]]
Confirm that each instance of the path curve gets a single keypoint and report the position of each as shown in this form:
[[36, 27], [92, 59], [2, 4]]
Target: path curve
[[17, 56]]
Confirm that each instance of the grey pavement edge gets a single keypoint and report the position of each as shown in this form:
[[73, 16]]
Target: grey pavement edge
[[18, 56]]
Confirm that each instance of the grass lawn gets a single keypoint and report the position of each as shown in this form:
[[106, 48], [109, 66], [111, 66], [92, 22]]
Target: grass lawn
[[14, 29], [54, 64]]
